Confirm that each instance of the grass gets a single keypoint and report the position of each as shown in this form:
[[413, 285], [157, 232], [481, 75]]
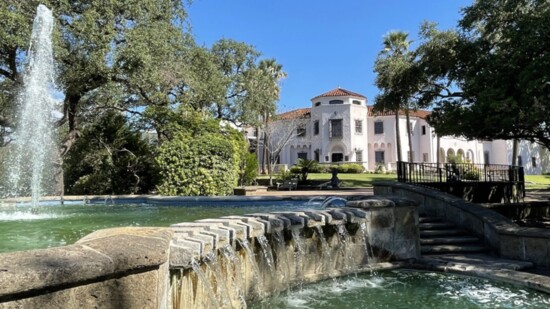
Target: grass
[[348, 180], [532, 182], [537, 182]]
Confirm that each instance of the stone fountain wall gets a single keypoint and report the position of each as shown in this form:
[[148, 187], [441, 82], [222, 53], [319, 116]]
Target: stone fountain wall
[[211, 263]]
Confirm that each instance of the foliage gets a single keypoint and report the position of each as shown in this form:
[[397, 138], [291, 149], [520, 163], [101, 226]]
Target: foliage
[[249, 172], [351, 168], [396, 77], [295, 169], [305, 166], [202, 158], [286, 175], [489, 78], [110, 158]]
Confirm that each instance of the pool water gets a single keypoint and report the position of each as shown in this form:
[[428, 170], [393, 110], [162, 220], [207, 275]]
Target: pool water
[[62, 225], [408, 289]]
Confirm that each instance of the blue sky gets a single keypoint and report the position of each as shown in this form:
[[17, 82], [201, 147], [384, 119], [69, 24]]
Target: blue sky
[[321, 44]]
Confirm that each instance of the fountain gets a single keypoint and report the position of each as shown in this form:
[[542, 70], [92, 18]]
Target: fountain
[[34, 143]]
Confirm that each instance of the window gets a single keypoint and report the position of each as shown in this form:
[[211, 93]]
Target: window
[[335, 102], [317, 103], [379, 127], [359, 156], [301, 131], [302, 155], [534, 161], [356, 102], [424, 157], [423, 130], [520, 161], [359, 126], [326, 159], [316, 155], [379, 156], [336, 128], [346, 158], [316, 127], [411, 128], [337, 157]]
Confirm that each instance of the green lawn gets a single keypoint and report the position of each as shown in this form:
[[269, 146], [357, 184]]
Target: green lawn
[[537, 182], [532, 182], [348, 180]]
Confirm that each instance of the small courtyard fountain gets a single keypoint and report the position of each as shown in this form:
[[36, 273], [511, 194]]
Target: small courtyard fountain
[[34, 143]]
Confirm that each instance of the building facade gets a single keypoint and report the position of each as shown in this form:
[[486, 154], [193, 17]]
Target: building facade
[[340, 127]]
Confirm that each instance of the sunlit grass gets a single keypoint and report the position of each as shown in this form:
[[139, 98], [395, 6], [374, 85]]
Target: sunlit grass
[[537, 182], [349, 180], [532, 182]]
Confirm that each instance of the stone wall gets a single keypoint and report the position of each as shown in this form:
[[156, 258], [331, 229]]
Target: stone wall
[[211, 263], [504, 237], [111, 268]]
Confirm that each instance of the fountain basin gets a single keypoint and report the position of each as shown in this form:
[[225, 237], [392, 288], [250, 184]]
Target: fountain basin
[[221, 262]]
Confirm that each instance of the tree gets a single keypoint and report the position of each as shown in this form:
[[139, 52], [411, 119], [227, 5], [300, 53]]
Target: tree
[[110, 158], [392, 67], [277, 134], [490, 77], [98, 45]]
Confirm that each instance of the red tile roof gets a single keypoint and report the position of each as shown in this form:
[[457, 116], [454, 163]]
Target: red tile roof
[[295, 114], [339, 92], [418, 113]]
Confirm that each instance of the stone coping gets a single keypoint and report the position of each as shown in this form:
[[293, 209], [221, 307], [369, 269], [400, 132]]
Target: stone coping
[[499, 222], [159, 199], [502, 234], [101, 255]]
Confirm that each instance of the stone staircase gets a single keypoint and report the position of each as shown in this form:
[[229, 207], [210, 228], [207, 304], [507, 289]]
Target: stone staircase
[[441, 237]]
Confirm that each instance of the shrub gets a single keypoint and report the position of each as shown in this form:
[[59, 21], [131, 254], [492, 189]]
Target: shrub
[[350, 168], [197, 165], [473, 173], [249, 171], [295, 169]]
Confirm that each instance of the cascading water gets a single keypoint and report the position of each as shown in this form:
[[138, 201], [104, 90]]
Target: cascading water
[[34, 143], [221, 288]]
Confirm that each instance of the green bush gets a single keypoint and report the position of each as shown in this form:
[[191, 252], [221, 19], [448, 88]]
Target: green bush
[[349, 168], [473, 173], [295, 169], [197, 165], [319, 168], [250, 169]]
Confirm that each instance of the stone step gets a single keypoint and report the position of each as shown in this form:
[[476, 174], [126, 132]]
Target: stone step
[[436, 225], [441, 233], [429, 219], [448, 240], [463, 248]]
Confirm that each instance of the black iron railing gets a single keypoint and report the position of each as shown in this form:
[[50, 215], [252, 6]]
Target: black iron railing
[[430, 173]]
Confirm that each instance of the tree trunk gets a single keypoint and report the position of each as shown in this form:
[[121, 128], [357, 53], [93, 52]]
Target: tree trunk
[[257, 150], [397, 136], [410, 156]]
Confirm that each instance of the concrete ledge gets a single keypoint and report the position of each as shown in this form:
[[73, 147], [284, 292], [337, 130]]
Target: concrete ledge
[[102, 255]]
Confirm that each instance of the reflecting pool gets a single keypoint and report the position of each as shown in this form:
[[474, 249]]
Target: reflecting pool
[[57, 225]]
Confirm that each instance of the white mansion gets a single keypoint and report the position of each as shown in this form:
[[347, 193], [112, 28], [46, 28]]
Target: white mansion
[[340, 127]]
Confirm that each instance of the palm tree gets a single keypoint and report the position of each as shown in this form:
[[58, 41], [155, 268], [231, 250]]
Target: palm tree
[[392, 59]]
